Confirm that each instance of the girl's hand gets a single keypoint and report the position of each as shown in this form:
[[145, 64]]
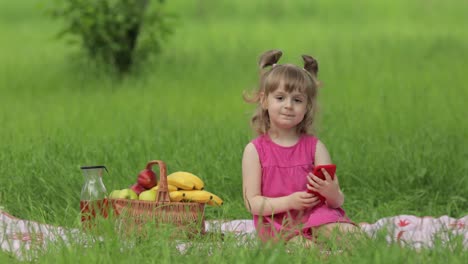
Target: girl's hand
[[303, 200], [328, 188]]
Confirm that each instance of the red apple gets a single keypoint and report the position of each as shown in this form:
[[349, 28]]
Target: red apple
[[137, 188], [147, 177]]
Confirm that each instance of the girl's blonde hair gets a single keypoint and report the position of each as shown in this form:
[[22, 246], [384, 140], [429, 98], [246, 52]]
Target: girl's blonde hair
[[292, 78]]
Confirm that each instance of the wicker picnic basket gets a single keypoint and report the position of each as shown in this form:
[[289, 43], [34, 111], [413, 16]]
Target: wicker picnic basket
[[185, 216]]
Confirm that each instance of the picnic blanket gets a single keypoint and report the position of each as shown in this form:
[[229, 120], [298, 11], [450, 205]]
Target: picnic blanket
[[24, 238]]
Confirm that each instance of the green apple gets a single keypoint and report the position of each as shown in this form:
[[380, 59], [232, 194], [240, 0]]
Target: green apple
[[127, 194], [114, 194], [149, 195]]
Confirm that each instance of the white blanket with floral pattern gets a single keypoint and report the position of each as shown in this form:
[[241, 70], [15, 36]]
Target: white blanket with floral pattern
[[24, 238]]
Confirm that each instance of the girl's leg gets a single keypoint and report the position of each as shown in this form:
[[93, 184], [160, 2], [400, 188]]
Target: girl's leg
[[340, 234], [344, 228], [334, 231], [300, 240]]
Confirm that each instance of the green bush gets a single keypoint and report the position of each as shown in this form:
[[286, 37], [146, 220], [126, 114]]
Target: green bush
[[116, 32]]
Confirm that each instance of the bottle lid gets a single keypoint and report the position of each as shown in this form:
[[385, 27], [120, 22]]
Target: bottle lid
[[94, 167]]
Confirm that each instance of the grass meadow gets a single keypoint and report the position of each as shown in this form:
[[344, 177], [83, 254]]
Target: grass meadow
[[392, 114]]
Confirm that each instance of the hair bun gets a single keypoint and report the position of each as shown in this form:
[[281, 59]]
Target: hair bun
[[269, 58], [310, 64]]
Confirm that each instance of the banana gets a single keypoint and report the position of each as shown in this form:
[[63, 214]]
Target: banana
[[199, 184], [170, 187], [180, 182], [189, 177], [176, 196], [198, 196], [215, 200]]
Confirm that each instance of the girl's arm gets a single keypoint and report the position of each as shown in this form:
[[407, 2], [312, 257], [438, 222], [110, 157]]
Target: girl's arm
[[331, 188], [251, 181]]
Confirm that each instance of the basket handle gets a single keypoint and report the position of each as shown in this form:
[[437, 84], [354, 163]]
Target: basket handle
[[163, 191]]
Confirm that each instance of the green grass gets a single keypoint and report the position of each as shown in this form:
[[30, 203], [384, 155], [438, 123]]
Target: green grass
[[392, 114]]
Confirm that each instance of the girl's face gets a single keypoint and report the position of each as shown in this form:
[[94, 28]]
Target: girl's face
[[285, 109]]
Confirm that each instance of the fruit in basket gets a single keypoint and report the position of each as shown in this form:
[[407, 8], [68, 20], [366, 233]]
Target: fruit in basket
[[170, 188], [114, 194], [196, 196], [215, 201], [147, 177], [199, 196], [197, 182], [176, 196], [180, 183], [185, 180], [137, 188], [128, 194], [123, 194], [149, 195]]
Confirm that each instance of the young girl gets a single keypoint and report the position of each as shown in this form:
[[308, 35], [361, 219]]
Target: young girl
[[277, 165]]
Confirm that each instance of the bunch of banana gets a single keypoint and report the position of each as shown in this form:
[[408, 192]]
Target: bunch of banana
[[187, 187], [185, 181], [199, 196]]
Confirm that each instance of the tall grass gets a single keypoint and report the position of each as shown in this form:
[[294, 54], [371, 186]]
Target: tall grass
[[392, 111]]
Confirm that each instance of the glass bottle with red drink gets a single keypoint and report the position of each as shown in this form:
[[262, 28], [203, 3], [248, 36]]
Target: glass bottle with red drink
[[93, 200]]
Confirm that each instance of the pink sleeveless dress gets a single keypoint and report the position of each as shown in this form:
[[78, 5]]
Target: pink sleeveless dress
[[284, 171]]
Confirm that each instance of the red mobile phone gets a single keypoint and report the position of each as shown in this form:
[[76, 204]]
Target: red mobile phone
[[330, 168]]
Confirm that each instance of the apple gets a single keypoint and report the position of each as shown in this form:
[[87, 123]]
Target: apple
[[137, 188], [149, 195], [147, 177], [114, 194], [127, 194]]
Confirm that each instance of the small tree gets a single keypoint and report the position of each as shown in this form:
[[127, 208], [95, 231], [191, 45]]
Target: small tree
[[117, 32]]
